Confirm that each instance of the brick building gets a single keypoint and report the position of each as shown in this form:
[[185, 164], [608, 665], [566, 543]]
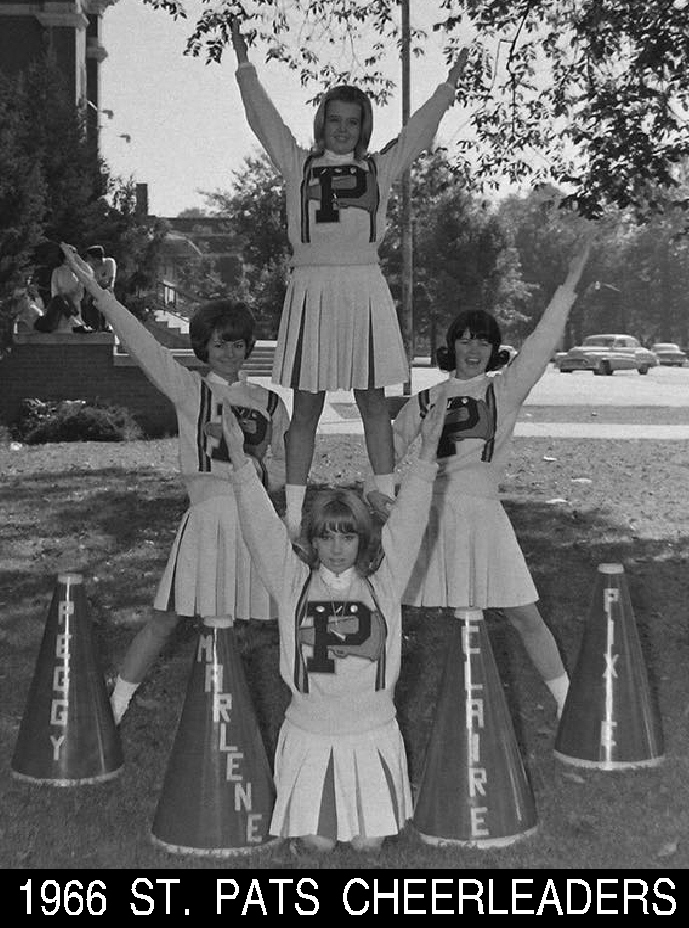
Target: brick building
[[71, 30], [55, 367]]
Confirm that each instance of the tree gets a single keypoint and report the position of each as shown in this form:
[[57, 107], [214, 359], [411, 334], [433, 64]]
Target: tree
[[22, 186], [656, 284], [135, 245], [55, 187], [588, 95], [75, 176], [460, 254], [257, 215], [256, 207], [544, 234]]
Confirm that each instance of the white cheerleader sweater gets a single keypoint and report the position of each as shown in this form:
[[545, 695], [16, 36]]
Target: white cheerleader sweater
[[336, 206], [198, 401], [339, 652], [482, 411]]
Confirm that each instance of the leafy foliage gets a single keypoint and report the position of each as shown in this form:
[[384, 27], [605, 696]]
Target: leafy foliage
[[54, 187], [544, 235], [75, 420], [110, 511], [257, 216], [589, 95], [507, 257], [22, 185], [75, 177]]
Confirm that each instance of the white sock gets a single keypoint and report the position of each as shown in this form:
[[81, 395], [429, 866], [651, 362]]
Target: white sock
[[385, 483], [294, 499], [559, 687], [121, 697]]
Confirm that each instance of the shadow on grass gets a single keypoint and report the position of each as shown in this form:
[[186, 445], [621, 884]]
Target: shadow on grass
[[584, 817]]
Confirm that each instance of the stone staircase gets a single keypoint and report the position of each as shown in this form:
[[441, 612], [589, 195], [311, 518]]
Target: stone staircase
[[260, 363], [173, 330]]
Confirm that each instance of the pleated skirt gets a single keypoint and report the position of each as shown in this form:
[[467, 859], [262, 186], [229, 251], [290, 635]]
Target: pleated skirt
[[339, 331], [342, 786], [209, 571], [469, 557]]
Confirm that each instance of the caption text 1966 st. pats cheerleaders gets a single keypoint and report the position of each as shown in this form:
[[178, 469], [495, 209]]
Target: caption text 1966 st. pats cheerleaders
[[200, 893]]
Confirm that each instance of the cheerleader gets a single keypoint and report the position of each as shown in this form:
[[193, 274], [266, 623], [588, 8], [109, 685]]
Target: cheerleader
[[209, 571], [340, 766], [470, 557], [339, 328]]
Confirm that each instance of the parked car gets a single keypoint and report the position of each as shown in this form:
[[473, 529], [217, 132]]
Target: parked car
[[669, 353], [605, 354]]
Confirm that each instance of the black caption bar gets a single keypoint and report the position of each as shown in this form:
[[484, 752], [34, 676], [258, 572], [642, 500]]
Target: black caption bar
[[342, 892]]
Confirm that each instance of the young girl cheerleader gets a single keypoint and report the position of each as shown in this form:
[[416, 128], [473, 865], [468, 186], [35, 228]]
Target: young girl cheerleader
[[339, 327], [340, 765], [470, 557], [209, 571]]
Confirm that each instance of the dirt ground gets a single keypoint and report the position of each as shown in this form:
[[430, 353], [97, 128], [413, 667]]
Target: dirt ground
[[110, 511]]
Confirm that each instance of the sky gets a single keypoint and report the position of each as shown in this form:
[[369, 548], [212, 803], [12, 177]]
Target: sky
[[185, 120]]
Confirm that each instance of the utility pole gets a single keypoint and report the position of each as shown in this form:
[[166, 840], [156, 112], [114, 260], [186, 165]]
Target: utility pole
[[407, 228]]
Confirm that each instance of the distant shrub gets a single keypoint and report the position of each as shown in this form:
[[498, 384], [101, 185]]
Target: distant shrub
[[75, 420]]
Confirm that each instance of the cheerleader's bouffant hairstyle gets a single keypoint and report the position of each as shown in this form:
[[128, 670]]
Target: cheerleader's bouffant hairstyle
[[343, 510], [346, 94], [479, 324], [229, 318]]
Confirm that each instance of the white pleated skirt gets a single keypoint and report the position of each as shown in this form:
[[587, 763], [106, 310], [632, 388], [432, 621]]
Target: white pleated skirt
[[339, 331], [469, 557], [209, 571], [364, 776]]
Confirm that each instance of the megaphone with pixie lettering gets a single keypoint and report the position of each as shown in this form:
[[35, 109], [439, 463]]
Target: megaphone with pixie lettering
[[68, 735], [610, 718], [474, 789], [218, 794]]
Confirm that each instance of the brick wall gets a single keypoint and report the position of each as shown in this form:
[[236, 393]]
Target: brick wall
[[84, 367]]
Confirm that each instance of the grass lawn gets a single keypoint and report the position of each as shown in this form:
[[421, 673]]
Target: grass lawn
[[110, 511]]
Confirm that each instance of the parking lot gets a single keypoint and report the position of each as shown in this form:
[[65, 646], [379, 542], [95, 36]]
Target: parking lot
[[663, 387]]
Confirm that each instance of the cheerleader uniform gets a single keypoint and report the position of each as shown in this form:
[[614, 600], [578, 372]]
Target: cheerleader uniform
[[209, 571], [340, 763], [470, 557], [339, 327]]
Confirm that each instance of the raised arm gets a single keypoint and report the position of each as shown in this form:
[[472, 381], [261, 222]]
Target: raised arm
[[420, 131], [406, 426], [262, 529], [533, 358], [263, 117], [432, 427], [402, 533], [156, 361]]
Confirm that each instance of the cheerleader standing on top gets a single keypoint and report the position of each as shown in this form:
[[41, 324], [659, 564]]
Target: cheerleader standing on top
[[339, 327], [470, 557], [209, 571]]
